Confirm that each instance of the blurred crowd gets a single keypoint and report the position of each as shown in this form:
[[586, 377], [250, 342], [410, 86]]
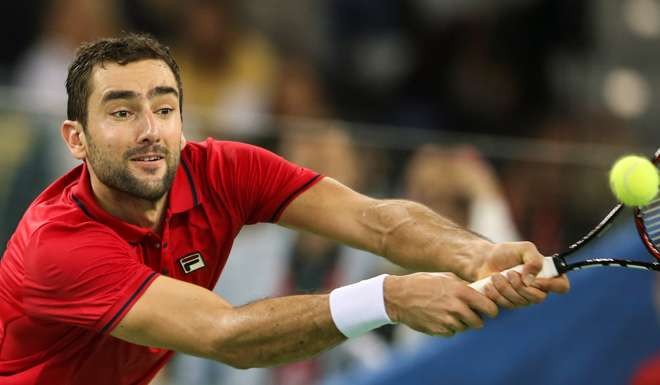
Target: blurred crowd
[[422, 77]]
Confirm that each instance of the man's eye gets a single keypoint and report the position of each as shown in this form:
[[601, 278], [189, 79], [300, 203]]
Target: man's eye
[[164, 111], [122, 114]]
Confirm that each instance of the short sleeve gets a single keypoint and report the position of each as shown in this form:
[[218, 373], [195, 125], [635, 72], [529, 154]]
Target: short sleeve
[[83, 275], [260, 183]]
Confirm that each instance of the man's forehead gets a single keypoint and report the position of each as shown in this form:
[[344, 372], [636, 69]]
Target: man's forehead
[[139, 76]]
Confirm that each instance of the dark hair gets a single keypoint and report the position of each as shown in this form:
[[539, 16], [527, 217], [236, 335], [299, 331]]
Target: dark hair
[[128, 48]]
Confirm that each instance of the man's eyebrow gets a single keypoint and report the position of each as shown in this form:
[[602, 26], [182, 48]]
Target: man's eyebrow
[[162, 90], [119, 94], [126, 94]]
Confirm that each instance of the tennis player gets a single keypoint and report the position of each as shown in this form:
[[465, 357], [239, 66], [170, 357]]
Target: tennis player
[[111, 267]]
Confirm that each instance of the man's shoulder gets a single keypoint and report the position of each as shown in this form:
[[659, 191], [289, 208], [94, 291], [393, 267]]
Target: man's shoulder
[[52, 205], [212, 160], [60, 242], [78, 229], [55, 204], [64, 237], [202, 150], [56, 214], [64, 229]]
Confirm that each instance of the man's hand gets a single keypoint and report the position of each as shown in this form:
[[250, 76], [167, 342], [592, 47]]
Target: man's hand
[[435, 303], [517, 289]]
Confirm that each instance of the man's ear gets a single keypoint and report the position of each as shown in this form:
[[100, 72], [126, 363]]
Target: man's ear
[[74, 137]]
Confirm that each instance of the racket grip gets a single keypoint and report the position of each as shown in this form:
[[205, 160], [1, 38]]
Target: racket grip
[[547, 271]]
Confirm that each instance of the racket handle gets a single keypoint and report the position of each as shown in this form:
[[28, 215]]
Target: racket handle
[[548, 271]]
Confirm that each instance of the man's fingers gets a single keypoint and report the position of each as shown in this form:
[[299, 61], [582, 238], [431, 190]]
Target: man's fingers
[[468, 317], [444, 332], [497, 297], [443, 304], [532, 260], [530, 293], [483, 304], [527, 294], [505, 288], [559, 284], [454, 324]]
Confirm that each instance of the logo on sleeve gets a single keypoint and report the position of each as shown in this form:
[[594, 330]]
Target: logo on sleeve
[[192, 262]]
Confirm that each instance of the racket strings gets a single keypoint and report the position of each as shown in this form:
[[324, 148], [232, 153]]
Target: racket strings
[[650, 215]]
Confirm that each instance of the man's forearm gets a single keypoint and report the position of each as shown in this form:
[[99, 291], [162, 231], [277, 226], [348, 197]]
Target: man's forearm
[[279, 330], [413, 236], [180, 316], [407, 233]]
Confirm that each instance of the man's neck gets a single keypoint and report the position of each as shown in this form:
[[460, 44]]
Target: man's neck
[[136, 211]]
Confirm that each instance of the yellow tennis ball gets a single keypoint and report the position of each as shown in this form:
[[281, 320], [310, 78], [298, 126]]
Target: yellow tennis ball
[[634, 180]]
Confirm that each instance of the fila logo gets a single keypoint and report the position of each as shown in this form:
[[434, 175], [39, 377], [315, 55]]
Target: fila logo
[[192, 262]]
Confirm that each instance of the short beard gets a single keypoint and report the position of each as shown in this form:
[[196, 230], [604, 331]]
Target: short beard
[[116, 175]]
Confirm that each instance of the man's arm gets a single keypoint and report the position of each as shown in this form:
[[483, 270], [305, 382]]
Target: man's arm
[[180, 316], [405, 232], [176, 315], [413, 236]]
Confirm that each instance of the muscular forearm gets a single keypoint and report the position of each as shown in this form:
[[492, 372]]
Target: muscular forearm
[[180, 316], [412, 235], [405, 232], [276, 331]]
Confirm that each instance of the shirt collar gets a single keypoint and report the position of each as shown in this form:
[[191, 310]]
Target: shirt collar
[[186, 192], [184, 195]]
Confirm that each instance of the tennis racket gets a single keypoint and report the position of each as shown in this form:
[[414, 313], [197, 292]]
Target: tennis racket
[[580, 254]]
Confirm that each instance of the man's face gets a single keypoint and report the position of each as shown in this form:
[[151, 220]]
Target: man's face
[[134, 127]]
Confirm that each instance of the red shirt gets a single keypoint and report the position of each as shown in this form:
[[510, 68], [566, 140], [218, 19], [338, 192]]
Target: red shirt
[[71, 271]]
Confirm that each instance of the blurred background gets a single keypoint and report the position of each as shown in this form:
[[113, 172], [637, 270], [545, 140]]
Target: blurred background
[[503, 116]]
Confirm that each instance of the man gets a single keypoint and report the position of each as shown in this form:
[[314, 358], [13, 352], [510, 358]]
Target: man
[[110, 269]]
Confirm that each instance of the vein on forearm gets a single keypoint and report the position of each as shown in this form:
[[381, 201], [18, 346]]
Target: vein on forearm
[[279, 330], [414, 236]]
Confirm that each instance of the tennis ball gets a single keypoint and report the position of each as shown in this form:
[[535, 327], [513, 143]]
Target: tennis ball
[[634, 180]]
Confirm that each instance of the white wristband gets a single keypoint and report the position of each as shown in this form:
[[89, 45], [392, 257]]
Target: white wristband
[[360, 307]]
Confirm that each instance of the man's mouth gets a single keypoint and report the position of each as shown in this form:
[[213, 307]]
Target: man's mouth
[[147, 158]]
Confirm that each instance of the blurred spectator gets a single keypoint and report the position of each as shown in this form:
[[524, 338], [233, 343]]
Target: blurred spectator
[[549, 213], [16, 147], [227, 69], [459, 184], [299, 91], [65, 24], [327, 149], [302, 24], [41, 74], [301, 102]]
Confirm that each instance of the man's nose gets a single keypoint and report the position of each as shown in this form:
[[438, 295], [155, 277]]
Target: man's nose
[[149, 130]]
